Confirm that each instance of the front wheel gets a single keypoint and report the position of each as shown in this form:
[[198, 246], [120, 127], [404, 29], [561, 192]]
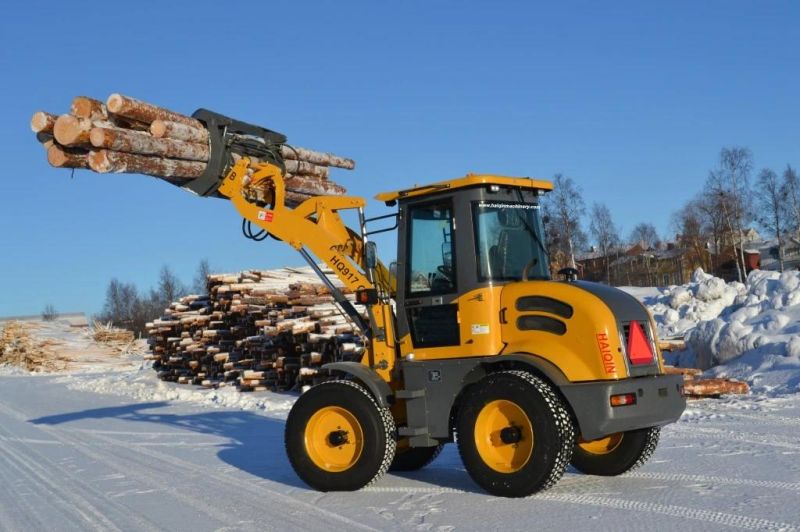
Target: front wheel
[[338, 438], [515, 435], [617, 453]]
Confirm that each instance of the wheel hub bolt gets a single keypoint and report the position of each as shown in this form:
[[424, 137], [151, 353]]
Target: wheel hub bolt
[[510, 434], [337, 438]]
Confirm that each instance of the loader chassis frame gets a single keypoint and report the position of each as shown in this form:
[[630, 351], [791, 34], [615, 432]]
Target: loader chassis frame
[[433, 389]]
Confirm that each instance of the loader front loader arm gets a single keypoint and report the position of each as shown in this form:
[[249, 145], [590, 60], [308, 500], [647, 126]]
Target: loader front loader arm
[[315, 225]]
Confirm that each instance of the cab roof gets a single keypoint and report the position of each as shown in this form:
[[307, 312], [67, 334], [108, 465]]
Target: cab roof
[[467, 181]]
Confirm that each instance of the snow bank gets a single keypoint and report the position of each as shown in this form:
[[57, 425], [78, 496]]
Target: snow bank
[[677, 309], [750, 333], [144, 385]]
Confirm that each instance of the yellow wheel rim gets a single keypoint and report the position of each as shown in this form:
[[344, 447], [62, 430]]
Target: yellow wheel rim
[[334, 439], [603, 445], [504, 436]]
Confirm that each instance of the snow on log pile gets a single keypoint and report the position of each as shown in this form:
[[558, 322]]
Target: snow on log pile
[[125, 135], [59, 345], [257, 329], [748, 332], [19, 348]]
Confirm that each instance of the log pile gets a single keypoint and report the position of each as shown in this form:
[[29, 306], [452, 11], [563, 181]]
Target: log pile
[[19, 348], [696, 387], [107, 334], [249, 330], [125, 135]]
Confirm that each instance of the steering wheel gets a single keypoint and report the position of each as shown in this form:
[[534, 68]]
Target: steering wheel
[[533, 262], [447, 272]]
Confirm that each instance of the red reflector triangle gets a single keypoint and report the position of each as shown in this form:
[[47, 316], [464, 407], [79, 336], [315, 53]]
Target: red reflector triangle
[[639, 351]]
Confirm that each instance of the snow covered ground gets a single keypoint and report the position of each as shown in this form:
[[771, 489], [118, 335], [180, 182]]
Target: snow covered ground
[[114, 448], [148, 455]]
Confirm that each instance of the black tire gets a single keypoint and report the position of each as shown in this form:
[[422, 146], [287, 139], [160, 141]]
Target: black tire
[[377, 442], [631, 450], [414, 458], [550, 426]]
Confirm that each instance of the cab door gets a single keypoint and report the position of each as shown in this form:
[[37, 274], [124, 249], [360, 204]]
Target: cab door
[[427, 303]]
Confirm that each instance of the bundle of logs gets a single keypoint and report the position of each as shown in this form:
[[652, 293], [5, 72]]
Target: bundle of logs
[[694, 385], [125, 135], [251, 331]]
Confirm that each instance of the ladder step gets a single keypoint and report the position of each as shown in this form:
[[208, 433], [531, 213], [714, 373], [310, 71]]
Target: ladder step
[[412, 431], [409, 394]]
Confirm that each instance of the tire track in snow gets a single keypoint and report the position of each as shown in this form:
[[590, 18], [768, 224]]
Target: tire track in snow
[[791, 486], [175, 467], [39, 477], [702, 433], [180, 468], [166, 479], [681, 512], [48, 467]]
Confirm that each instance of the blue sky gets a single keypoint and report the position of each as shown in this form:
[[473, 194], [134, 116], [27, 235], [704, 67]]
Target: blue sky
[[631, 99]]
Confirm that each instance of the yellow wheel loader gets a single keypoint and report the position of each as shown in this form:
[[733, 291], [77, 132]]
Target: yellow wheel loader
[[471, 341]]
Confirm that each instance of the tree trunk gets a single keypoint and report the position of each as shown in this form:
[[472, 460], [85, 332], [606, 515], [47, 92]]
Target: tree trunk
[[146, 112], [178, 131], [144, 144], [104, 161], [324, 159]]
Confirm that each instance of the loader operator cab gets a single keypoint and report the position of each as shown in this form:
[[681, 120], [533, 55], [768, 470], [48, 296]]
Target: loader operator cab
[[459, 242]]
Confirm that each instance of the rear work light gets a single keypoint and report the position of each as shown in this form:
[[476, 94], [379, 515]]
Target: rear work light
[[623, 399], [639, 350]]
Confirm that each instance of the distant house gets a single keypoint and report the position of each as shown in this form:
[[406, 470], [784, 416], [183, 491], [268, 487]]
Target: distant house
[[769, 253], [638, 266]]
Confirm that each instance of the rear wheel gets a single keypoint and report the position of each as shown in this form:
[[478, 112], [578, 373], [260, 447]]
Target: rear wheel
[[617, 453], [413, 458], [338, 438], [515, 436]]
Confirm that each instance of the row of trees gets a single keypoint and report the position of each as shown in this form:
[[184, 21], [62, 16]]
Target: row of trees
[[728, 203], [564, 210], [711, 226], [128, 307]]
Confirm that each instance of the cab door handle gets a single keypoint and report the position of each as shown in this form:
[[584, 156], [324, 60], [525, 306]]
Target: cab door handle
[[503, 316]]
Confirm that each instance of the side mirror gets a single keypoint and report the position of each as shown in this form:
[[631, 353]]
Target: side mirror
[[370, 255], [570, 274]]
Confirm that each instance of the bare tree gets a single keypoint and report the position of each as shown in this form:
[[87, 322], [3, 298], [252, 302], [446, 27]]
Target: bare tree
[[771, 199], [49, 313], [126, 307], [564, 207], [201, 277], [169, 287], [121, 299], [791, 189], [730, 183], [644, 233], [605, 234], [693, 233]]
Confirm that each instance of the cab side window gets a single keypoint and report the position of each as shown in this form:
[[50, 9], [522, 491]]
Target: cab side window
[[431, 269]]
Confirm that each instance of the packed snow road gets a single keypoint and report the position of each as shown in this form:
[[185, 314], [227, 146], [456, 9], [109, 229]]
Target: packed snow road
[[78, 460]]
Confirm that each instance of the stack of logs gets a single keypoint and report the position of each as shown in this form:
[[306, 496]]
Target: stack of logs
[[694, 385], [251, 331], [125, 135]]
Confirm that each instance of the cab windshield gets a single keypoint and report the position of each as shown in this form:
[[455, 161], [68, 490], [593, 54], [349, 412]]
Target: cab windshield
[[509, 238]]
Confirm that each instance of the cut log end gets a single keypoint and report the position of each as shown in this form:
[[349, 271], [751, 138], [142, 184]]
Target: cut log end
[[70, 130], [61, 158], [99, 162], [85, 107], [43, 122]]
